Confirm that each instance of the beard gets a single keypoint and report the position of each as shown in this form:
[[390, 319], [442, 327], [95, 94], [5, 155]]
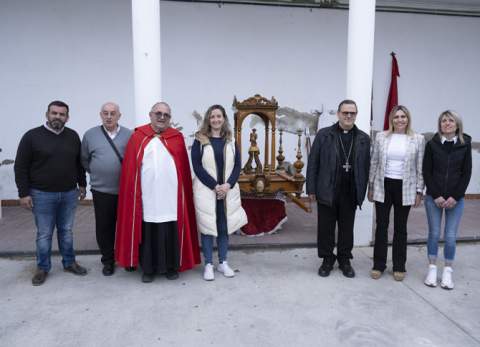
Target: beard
[[56, 124]]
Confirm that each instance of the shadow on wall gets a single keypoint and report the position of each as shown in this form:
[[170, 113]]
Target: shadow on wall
[[288, 119], [6, 176], [291, 120], [6, 161]]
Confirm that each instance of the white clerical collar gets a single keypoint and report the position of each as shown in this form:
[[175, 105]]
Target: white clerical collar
[[443, 139], [56, 132], [114, 133]]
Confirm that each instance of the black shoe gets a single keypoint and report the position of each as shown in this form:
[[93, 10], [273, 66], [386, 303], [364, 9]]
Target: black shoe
[[108, 269], [131, 269], [39, 278], [76, 269], [148, 278], [326, 268], [171, 275], [347, 270]]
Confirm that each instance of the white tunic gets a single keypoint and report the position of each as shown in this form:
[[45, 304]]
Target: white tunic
[[159, 184], [397, 150]]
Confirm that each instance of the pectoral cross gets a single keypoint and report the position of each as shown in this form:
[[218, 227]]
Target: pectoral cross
[[347, 166]]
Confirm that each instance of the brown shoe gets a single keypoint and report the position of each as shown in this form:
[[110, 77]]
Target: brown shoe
[[76, 269], [39, 278], [376, 274], [398, 276]]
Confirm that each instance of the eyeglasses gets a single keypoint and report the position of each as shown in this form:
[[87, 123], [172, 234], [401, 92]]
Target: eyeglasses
[[353, 114], [161, 114]]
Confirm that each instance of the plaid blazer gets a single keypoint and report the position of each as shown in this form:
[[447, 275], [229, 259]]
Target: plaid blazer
[[412, 168]]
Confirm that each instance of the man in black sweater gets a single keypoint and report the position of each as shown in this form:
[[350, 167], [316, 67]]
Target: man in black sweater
[[50, 180]]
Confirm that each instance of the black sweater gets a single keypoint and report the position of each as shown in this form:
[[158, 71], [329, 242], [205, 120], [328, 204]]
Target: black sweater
[[48, 162], [447, 168]]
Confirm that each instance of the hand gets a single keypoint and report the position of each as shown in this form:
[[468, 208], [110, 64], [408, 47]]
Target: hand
[[418, 200], [450, 203], [221, 190], [370, 195], [439, 201], [225, 187], [83, 192], [313, 198], [26, 202]]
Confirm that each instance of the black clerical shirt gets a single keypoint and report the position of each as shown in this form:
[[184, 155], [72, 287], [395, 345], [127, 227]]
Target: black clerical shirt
[[345, 180]]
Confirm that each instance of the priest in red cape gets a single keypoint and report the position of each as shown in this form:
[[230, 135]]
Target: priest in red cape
[[156, 225]]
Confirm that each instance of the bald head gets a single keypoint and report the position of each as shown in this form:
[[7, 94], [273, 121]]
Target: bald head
[[110, 104], [110, 114], [155, 106]]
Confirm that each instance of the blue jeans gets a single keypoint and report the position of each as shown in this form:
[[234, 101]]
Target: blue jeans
[[54, 209], [452, 221], [222, 245]]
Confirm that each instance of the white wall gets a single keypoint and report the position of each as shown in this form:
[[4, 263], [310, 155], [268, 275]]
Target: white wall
[[80, 52], [75, 51], [438, 62]]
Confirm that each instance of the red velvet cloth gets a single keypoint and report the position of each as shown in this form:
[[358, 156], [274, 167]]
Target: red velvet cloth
[[264, 215]]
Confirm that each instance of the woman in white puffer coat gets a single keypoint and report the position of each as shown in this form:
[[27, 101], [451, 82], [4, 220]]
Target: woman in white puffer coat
[[218, 208]]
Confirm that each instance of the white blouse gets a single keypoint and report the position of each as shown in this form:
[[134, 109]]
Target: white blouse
[[396, 152]]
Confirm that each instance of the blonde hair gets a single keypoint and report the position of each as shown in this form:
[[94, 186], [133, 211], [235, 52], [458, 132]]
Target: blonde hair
[[458, 121], [405, 110], [205, 128]]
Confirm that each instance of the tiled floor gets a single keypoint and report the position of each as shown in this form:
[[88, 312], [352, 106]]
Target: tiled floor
[[17, 230]]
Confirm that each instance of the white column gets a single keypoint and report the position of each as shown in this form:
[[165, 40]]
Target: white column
[[146, 57], [361, 34]]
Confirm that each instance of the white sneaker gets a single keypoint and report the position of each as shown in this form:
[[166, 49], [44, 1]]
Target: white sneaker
[[431, 279], [447, 281], [208, 274], [225, 269]]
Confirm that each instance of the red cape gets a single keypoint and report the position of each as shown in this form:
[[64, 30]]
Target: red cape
[[129, 216]]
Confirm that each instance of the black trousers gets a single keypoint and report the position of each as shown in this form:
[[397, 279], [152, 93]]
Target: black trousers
[[342, 213], [393, 196], [159, 250], [105, 207]]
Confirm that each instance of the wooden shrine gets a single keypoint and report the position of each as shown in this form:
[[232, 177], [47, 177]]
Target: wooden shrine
[[267, 178]]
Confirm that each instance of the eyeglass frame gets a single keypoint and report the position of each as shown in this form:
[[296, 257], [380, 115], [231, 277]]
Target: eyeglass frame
[[161, 114]]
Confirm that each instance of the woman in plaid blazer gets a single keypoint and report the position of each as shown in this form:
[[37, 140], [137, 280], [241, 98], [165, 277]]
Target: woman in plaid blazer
[[395, 179]]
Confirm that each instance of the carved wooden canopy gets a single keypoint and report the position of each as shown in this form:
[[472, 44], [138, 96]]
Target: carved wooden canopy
[[269, 180], [266, 110]]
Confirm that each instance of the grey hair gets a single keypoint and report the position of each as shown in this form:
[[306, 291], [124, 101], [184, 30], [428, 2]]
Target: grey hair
[[111, 103]]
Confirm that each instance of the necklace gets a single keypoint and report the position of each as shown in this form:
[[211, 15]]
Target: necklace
[[346, 166]]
